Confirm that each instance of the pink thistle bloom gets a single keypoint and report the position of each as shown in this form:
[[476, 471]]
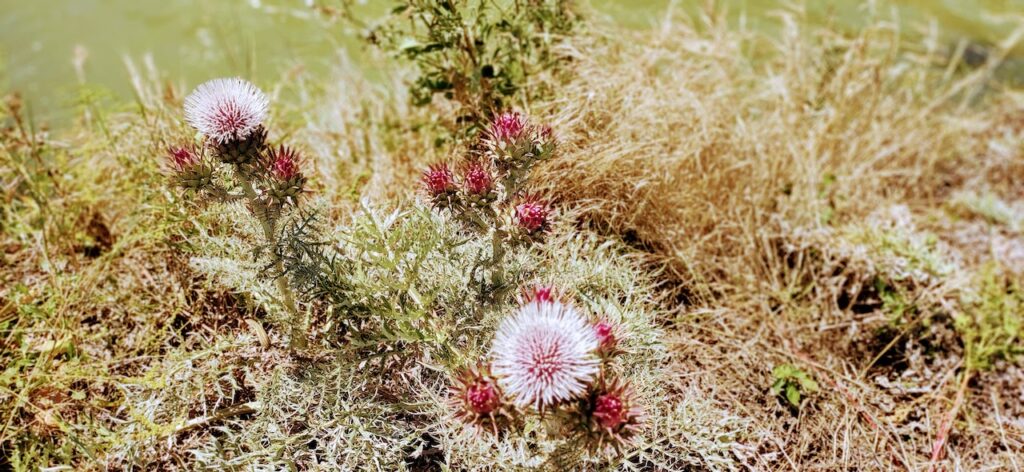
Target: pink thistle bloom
[[544, 354], [478, 178], [532, 214], [616, 412], [606, 340], [609, 410], [539, 294], [508, 128], [284, 163], [547, 134], [482, 397], [226, 110], [478, 400], [438, 180], [182, 157]]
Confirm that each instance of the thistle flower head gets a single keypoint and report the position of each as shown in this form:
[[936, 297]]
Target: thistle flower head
[[547, 134], [531, 214], [607, 337], [544, 354], [438, 180], [477, 178], [284, 163], [615, 409], [507, 128], [182, 157], [482, 397], [609, 410], [609, 416], [539, 294], [226, 109], [478, 400]]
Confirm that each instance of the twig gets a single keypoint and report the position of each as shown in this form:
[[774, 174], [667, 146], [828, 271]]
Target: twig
[[939, 446], [219, 415]]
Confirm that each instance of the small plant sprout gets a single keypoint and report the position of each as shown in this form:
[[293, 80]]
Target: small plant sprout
[[544, 354], [229, 113], [790, 382]]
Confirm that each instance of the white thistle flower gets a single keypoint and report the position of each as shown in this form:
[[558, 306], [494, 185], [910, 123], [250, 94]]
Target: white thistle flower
[[226, 109], [544, 354]]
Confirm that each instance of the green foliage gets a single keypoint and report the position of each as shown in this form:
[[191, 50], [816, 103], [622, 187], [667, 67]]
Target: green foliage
[[476, 53], [991, 320], [904, 255], [990, 207], [403, 276], [791, 382], [894, 301]]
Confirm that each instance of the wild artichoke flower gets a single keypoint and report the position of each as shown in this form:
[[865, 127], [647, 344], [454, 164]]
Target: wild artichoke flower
[[608, 417], [507, 129], [438, 180], [607, 338], [225, 110], [477, 178], [287, 182], [182, 157], [284, 163], [531, 214], [189, 169], [539, 294], [478, 400], [544, 354]]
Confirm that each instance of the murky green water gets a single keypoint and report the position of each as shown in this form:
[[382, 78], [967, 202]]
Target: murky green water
[[41, 41]]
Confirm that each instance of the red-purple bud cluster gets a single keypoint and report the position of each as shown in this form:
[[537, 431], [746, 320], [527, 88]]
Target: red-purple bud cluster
[[607, 342], [183, 157], [489, 193], [438, 180], [284, 163], [477, 178], [532, 214], [608, 410], [508, 128]]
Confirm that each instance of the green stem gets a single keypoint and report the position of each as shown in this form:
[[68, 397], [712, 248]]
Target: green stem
[[298, 320], [497, 254]]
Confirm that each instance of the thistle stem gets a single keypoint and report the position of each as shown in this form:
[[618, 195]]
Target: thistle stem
[[297, 339], [497, 254]]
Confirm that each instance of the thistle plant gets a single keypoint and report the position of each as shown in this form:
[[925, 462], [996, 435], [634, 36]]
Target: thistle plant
[[548, 359], [489, 193], [234, 162]]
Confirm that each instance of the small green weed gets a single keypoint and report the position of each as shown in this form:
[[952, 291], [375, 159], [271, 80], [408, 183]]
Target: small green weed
[[792, 383]]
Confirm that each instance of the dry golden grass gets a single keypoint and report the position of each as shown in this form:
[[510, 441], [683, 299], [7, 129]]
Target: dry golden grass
[[789, 185]]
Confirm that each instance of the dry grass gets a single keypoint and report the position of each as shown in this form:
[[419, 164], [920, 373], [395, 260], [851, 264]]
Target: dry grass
[[797, 189]]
